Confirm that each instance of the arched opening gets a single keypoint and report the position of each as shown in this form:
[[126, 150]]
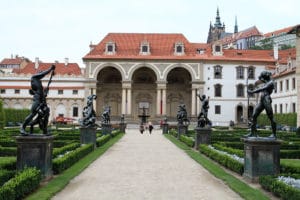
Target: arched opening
[[239, 114], [109, 88], [250, 112], [143, 93], [178, 91]]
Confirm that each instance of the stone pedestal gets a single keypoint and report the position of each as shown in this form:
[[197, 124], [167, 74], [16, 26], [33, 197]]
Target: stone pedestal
[[88, 135], [35, 151], [122, 127], [182, 129], [202, 136], [165, 128], [261, 157], [106, 129]]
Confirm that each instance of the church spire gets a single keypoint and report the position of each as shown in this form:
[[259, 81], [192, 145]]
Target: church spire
[[218, 19], [236, 26]]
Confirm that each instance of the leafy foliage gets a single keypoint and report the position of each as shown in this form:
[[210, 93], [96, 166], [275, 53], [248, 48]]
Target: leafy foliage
[[2, 115]]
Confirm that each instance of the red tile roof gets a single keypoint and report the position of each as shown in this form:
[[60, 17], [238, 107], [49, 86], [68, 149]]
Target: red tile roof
[[284, 55], [61, 68], [278, 32], [11, 61], [162, 48]]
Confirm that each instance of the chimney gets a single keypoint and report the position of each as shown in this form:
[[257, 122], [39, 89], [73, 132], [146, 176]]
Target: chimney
[[275, 51], [66, 61], [36, 64]]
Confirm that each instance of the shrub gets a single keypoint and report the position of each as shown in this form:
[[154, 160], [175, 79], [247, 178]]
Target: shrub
[[222, 159], [289, 119], [8, 151], [279, 188], [187, 140], [239, 153], [62, 163], [16, 115], [290, 154], [8, 163], [8, 143], [5, 175], [285, 168], [102, 140], [62, 150], [22, 184]]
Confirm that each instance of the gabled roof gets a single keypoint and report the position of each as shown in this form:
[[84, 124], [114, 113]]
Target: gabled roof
[[12, 61], [61, 68], [162, 48], [252, 31], [278, 32], [284, 55]]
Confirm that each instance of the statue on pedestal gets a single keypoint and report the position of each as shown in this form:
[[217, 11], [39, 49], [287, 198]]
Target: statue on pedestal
[[106, 115], [202, 117], [39, 110], [265, 102], [89, 114], [182, 115]]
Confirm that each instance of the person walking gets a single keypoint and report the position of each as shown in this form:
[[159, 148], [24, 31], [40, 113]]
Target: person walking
[[150, 127]]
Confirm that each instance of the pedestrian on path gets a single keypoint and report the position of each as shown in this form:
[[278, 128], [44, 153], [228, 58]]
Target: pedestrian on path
[[150, 126], [142, 129]]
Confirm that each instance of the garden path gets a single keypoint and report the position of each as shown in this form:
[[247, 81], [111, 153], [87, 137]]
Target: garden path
[[144, 166]]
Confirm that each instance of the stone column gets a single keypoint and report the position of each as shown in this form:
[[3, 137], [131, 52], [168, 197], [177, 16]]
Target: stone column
[[193, 109], [158, 101], [123, 101], [129, 101], [164, 101]]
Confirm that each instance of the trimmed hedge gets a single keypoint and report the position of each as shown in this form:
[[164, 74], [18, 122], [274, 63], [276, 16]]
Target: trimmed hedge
[[5, 175], [102, 140], [8, 151], [222, 159], [8, 143], [62, 150], [187, 140], [22, 184], [280, 189], [290, 154], [239, 153], [8, 163], [288, 169], [16, 115], [2, 115], [289, 119], [62, 163]]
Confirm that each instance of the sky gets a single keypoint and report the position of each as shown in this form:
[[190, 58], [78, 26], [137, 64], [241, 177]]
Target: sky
[[53, 30]]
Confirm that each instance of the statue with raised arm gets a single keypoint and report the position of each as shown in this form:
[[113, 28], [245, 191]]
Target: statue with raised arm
[[265, 103], [182, 115], [39, 109], [202, 117], [89, 114], [106, 115]]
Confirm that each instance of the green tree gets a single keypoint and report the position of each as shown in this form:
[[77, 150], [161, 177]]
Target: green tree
[[2, 115], [265, 44]]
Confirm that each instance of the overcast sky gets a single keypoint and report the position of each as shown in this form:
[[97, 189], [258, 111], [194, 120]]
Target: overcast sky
[[56, 29]]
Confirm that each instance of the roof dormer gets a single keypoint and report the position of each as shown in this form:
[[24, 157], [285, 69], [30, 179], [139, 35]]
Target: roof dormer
[[217, 49], [179, 49], [145, 48], [110, 48]]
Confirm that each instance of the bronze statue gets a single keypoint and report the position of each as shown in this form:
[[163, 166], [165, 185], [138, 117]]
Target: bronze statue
[[39, 109], [89, 114], [202, 117], [182, 115], [106, 115], [122, 119], [265, 102]]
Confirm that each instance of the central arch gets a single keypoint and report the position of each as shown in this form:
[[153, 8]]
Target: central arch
[[143, 92], [178, 91]]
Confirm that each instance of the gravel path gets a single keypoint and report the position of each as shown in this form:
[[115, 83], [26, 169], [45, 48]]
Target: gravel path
[[144, 166]]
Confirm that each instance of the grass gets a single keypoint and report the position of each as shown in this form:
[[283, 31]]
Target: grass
[[235, 184], [291, 162], [59, 182]]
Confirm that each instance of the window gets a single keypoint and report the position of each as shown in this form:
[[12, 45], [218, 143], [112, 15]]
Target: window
[[240, 90], [280, 108], [179, 48], [110, 48], [275, 108], [145, 48], [218, 71], [217, 48], [60, 92], [280, 86], [251, 74], [2, 91], [287, 85], [75, 92], [218, 90], [217, 109], [251, 87], [293, 83], [75, 111], [294, 107], [17, 91], [275, 87], [240, 72]]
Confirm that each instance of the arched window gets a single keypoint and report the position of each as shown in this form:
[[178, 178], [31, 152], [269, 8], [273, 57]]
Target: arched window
[[251, 72], [218, 90], [251, 87], [240, 72], [218, 72], [240, 90]]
